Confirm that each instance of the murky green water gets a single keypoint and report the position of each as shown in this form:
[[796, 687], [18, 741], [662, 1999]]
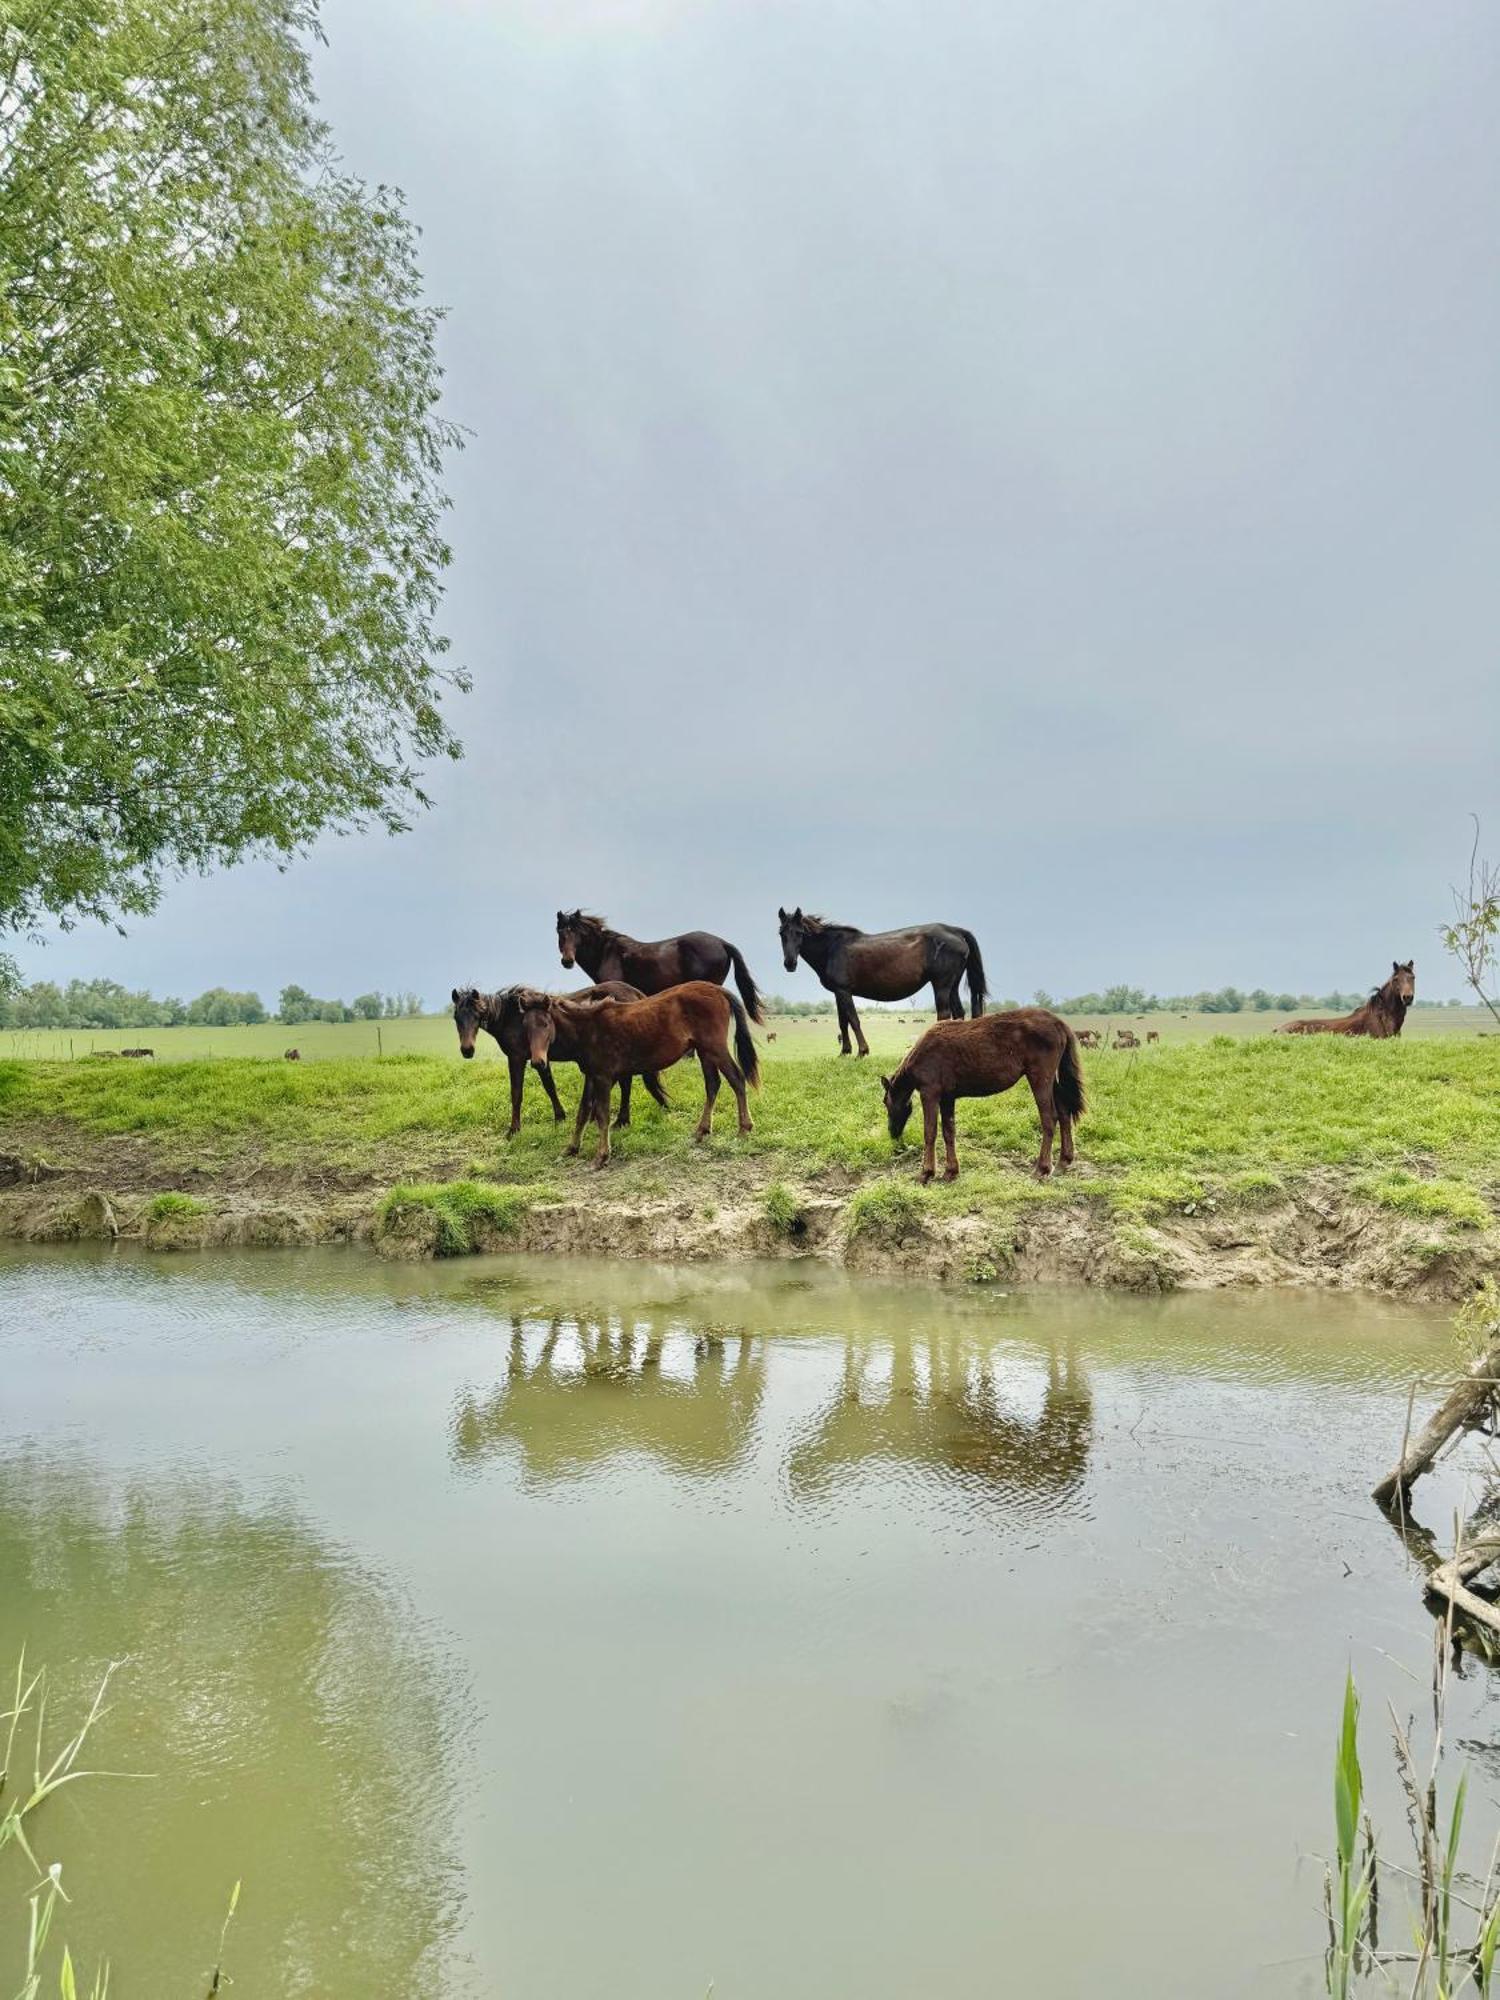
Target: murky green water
[[546, 1630]]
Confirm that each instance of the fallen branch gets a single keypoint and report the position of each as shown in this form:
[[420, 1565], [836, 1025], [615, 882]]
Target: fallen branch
[[1464, 1408]]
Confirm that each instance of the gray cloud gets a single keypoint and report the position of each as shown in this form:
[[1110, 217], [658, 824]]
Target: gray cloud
[[1029, 466]]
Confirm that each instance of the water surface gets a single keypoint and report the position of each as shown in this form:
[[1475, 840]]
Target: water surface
[[540, 1629]]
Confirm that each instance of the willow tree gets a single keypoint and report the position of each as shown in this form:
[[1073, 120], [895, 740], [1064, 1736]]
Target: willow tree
[[220, 459]]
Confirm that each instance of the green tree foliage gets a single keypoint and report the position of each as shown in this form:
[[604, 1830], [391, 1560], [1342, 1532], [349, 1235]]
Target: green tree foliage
[[220, 457], [219, 1008], [297, 1005]]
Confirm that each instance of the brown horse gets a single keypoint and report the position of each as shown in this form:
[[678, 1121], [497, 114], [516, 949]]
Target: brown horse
[[884, 965], [1383, 1014], [501, 1015], [980, 1059], [613, 1039], [605, 955]]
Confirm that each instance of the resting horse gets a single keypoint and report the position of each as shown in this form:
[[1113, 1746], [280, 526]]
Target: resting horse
[[1382, 1015], [885, 965], [614, 1039], [980, 1059], [606, 955], [501, 1015]]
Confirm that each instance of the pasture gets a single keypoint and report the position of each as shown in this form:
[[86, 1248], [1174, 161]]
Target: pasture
[[889, 1031], [1416, 1122]]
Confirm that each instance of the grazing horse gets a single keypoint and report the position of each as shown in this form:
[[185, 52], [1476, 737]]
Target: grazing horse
[[1152, 1035], [291, 1055], [502, 1015], [980, 1059], [1126, 1038], [612, 955], [1382, 1015], [613, 1039], [1088, 1038], [884, 965]]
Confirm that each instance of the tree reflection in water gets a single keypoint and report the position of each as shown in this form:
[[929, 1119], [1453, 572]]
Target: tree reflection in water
[[291, 1731]]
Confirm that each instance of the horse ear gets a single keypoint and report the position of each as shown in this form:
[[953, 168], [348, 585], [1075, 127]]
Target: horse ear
[[797, 914], [885, 1083], [780, 915], [455, 996]]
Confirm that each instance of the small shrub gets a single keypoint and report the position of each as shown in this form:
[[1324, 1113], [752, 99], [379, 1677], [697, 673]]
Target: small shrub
[[163, 1207], [446, 1216], [784, 1214], [981, 1270], [884, 1213]]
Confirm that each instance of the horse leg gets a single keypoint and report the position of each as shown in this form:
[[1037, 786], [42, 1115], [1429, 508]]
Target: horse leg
[[585, 1106], [845, 1008], [1065, 1126], [623, 1120], [1047, 1112], [545, 1073], [734, 1076], [710, 1092], [929, 1136], [517, 1087], [859, 1033], [950, 1150], [602, 1093]]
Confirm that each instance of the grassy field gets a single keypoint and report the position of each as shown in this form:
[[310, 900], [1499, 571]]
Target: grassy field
[[1415, 1123], [888, 1032]]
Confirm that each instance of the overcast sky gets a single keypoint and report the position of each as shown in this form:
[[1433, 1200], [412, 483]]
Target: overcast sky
[[1031, 465]]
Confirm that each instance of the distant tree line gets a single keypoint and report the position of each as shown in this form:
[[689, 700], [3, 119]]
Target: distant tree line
[[1227, 1000], [104, 1003]]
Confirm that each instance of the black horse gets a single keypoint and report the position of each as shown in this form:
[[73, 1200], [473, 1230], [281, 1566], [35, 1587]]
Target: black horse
[[606, 954], [502, 1015], [885, 965]]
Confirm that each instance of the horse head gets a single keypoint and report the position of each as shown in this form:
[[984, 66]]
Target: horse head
[[1402, 984], [793, 931], [468, 1010], [538, 1027], [897, 1104]]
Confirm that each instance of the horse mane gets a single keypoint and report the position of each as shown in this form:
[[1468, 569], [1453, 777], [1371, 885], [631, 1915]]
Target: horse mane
[[821, 927], [587, 921]]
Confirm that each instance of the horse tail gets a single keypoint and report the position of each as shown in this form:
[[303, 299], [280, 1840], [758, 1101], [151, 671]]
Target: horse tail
[[745, 983], [976, 973], [1067, 1092], [745, 1050]]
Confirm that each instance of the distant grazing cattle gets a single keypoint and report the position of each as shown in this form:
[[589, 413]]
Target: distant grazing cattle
[[291, 1055]]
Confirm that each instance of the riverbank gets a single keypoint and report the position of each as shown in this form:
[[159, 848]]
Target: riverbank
[[1371, 1165]]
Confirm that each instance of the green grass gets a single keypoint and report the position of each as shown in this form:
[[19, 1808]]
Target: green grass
[[461, 1210], [1402, 1191], [162, 1206], [1416, 1121]]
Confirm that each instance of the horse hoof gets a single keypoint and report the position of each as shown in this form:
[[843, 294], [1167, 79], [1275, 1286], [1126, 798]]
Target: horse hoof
[[951, 1177], [923, 1179]]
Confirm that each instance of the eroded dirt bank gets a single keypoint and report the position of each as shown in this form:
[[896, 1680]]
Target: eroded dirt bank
[[1315, 1231]]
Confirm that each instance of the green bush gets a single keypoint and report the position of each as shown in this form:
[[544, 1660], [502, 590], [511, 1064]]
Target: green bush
[[458, 1210], [783, 1211], [162, 1206], [884, 1213]]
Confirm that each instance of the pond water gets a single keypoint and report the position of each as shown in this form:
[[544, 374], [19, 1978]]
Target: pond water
[[544, 1629]]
